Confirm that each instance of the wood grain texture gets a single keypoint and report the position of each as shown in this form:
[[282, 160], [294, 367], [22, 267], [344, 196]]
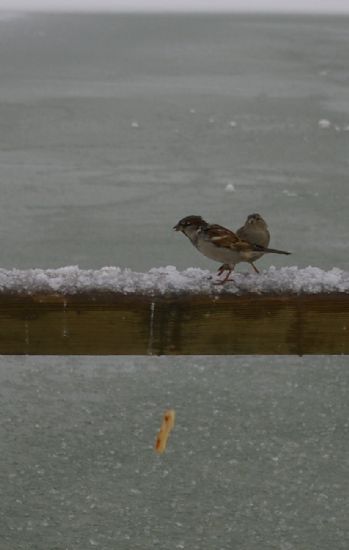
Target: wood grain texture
[[115, 324]]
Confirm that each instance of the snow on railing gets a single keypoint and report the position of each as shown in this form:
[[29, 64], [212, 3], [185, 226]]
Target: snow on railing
[[163, 280]]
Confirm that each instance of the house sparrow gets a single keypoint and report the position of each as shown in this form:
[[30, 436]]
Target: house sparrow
[[220, 244], [255, 231]]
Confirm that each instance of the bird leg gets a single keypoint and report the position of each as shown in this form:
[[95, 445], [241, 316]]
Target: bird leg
[[254, 267], [221, 270]]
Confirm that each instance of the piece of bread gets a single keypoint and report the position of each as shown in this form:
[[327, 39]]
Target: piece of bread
[[166, 426]]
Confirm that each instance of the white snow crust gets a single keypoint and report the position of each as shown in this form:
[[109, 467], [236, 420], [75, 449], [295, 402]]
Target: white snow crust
[[163, 280]]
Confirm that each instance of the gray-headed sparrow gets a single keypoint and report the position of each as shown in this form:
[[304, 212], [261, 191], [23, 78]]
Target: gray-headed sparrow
[[255, 231], [220, 244]]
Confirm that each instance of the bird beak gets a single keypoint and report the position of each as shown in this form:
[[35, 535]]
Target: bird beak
[[177, 227]]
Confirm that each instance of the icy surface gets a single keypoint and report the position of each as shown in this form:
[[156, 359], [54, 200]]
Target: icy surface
[[257, 459], [168, 279], [102, 154]]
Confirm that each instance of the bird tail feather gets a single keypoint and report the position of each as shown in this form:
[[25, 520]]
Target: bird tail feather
[[270, 250]]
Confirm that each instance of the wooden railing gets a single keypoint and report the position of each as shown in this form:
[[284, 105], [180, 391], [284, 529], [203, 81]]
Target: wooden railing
[[97, 323]]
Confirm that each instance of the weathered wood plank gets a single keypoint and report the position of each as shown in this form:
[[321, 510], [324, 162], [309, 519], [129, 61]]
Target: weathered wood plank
[[187, 324]]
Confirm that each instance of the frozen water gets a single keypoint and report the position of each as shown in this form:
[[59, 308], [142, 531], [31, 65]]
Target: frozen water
[[81, 184], [258, 459], [168, 279]]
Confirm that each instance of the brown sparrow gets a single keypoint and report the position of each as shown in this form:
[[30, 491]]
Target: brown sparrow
[[255, 231], [220, 244]]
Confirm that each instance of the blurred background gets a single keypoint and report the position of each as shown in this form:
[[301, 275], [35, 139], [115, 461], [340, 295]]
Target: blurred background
[[115, 126]]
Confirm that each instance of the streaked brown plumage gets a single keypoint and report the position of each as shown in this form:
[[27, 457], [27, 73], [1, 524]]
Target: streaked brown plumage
[[221, 244]]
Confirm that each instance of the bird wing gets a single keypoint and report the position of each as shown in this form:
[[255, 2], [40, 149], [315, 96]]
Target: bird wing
[[223, 237]]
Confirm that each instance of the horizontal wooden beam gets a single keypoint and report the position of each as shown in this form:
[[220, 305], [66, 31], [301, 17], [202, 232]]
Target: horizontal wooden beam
[[98, 323]]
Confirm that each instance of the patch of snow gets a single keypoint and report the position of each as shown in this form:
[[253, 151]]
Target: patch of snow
[[135, 124], [164, 280], [230, 187], [289, 193], [324, 123]]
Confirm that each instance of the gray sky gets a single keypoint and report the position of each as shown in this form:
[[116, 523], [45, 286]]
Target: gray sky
[[212, 5]]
